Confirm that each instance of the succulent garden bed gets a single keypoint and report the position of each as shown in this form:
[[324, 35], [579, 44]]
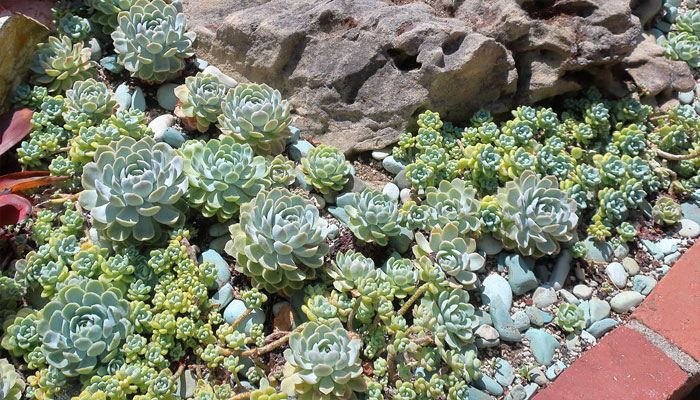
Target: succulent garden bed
[[194, 244]]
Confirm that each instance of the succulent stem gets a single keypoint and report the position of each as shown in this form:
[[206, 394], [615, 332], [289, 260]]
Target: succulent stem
[[413, 299]]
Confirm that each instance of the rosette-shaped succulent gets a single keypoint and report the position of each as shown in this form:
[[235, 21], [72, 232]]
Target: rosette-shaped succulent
[[11, 384], [105, 12], [402, 276], [413, 216], [683, 46], [200, 100], [455, 201], [223, 175], [257, 115], [689, 22], [151, 40], [84, 327], [348, 268], [92, 98], [456, 256], [450, 316], [280, 171], [570, 317], [59, 62], [73, 26], [536, 215], [420, 174], [323, 363], [666, 211], [279, 241], [131, 189], [325, 168], [374, 216]]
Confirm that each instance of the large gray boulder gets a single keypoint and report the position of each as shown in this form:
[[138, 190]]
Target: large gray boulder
[[358, 72]]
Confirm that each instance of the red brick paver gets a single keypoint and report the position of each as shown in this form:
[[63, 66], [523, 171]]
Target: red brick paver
[[673, 308], [622, 366]]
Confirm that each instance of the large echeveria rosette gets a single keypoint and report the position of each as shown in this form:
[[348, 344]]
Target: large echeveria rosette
[[279, 242], [256, 114], [151, 40], [223, 175], [131, 190], [323, 363], [537, 215], [84, 327]]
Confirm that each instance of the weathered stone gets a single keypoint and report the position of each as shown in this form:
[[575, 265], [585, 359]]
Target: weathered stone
[[19, 36], [342, 63], [649, 69]]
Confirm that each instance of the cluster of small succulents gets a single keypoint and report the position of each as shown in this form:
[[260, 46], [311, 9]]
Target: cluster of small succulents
[[540, 175], [684, 42]]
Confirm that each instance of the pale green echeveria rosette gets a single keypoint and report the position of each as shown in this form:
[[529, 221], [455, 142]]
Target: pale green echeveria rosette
[[279, 242], [105, 12], [455, 201], [91, 98], [131, 190], [348, 268], [455, 255], [58, 63], [450, 315], [200, 101], [537, 215], [151, 40], [84, 327], [11, 384], [326, 169], [256, 114], [373, 216], [323, 363], [223, 174]]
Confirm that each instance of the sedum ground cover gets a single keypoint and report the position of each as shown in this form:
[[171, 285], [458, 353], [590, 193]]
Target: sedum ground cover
[[204, 264]]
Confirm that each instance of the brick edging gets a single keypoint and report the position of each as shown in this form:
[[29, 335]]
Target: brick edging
[[655, 356]]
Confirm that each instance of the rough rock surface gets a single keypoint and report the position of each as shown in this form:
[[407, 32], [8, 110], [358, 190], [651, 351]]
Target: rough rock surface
[[359, 71], [19, 36]]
